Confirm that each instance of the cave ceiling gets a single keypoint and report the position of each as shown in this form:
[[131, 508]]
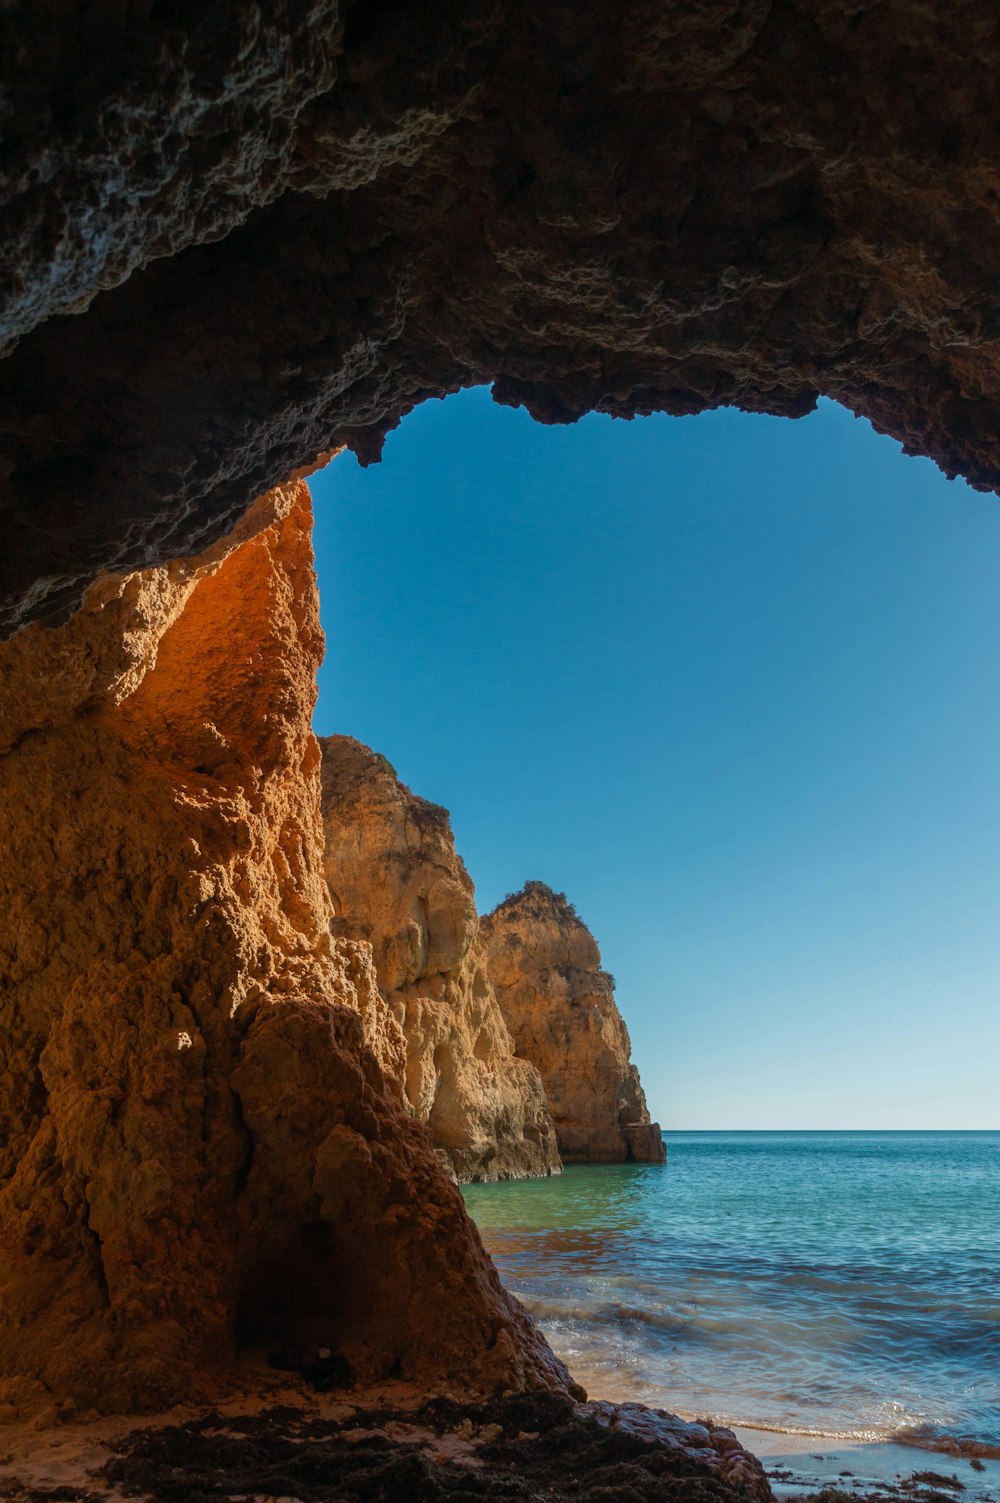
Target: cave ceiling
[[237, 235]]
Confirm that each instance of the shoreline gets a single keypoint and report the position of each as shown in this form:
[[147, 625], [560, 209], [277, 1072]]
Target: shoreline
[[764, 1283], [69, 1460], [877, 1469], [288, 1443]]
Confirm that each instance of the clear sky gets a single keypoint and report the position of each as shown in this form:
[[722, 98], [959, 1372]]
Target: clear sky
[[731, 683]]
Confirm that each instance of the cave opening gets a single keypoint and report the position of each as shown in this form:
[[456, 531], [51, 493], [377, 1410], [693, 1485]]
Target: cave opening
[[235, 247], [793, 791], [745, 665]]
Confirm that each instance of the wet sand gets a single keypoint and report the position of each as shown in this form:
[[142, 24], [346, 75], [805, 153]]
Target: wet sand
[[881, 1470], [804, 1465]]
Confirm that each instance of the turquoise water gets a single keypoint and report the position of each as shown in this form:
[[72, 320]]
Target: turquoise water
[[836, 1284]]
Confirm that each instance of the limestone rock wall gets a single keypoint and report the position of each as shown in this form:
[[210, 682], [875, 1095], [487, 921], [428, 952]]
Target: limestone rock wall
[[560, 1008], [232, 243], [397, 881], [199, 1146], [229, 244]]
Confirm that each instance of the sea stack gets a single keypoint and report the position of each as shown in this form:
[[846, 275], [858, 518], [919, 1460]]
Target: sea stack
[[397, 883], [560, 1008]]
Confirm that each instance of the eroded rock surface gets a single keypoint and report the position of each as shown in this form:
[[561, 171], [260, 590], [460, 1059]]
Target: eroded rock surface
[[560, 1008], [235, 239], [397, 882], [198, 1147], [511, 1449]]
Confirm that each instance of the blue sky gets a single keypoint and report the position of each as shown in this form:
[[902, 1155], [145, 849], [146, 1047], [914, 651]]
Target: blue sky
[[731, 683]]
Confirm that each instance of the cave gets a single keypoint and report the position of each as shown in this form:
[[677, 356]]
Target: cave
[[233, 247]]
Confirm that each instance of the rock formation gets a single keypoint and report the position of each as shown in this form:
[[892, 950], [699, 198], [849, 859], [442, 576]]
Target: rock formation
[[560, 1008], [198, 1147], [233, 240], [507, 1449], [396, 881], [277, 230]]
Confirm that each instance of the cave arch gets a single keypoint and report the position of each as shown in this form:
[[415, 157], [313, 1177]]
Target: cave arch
[[234, 247]]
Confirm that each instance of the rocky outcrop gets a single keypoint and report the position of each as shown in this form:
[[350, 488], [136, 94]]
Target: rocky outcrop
[[199, 1149], [233, 239], [560, 1008], [279, 228], [397, 882], [322, 1448]]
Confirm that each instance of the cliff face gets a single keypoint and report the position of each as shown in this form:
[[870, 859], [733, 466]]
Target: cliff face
[[560, 1008], [397, 882], [198, 1147]]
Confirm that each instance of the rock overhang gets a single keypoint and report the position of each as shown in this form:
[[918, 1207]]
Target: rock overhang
[[232, 247]]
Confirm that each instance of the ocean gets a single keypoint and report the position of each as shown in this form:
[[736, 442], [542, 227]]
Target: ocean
[[835, 1284]]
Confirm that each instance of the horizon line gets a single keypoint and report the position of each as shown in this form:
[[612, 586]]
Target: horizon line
[[829, 1129]]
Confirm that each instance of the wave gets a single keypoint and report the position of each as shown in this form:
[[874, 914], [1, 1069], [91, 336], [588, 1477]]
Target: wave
[[928, 1438], [922, 1437], [621, 1313], [593, 1322], [844, 1299], [768, 1427]]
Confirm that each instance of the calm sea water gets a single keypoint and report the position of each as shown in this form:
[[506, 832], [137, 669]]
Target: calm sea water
[[836, 1284]]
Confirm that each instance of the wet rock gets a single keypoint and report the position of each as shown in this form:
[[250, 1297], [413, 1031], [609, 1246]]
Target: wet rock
[[510, 1450]]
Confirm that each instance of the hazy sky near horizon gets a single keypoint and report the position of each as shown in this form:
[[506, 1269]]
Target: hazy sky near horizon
[[731, 683]]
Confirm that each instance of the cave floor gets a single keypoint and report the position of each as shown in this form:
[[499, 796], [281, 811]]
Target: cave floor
[[274, 1442], [529, 1447]]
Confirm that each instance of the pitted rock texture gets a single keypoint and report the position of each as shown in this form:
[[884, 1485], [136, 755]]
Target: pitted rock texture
[[198, 1148], [560, 1008], [511, 1450], [396, 880], [236, 238]]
